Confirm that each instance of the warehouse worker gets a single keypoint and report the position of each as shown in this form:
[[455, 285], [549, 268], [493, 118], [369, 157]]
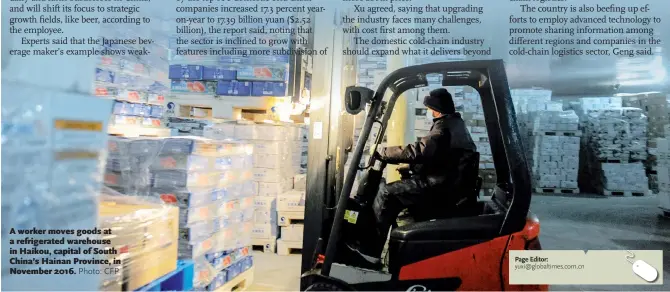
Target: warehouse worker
[[434, 161]]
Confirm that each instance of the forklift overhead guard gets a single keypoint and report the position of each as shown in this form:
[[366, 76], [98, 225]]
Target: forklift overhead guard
[[463, 249]]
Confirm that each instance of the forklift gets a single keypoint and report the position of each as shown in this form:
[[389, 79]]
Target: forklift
[[461, 248]]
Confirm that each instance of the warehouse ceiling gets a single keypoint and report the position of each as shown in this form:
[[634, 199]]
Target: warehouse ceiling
[[590, 77], [578, 76]]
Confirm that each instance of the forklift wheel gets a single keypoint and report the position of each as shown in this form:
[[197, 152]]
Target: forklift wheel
[[324, 287]]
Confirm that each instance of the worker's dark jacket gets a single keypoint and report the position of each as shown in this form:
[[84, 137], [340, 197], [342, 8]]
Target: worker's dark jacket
[[436, 159]]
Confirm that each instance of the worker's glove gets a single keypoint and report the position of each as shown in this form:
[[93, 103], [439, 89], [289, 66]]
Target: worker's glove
[[378, 156], [405, 171]]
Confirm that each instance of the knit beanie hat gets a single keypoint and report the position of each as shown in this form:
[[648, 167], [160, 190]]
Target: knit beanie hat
[[440, 101]]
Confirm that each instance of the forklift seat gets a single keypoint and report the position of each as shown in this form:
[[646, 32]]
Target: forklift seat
[[477, 227], [455, 202]]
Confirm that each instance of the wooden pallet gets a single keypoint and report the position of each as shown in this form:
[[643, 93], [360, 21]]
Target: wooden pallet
[[626, 193], [601, 160], [288, 218], [559, 133], [215, 107], [665, 212], [480, 137], [134, 131], [556, 191], [264, 245], [240, 283], [288, 247]]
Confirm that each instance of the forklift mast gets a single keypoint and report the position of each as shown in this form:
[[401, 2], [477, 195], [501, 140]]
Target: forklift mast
[[331, 130]]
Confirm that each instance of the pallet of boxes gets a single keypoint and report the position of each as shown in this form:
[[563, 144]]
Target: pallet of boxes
[[209, 183], [614, 148], [291, 204], [555, 142], [656, 107], [276, 160], [291, 216], [663, 169], [527, 103]]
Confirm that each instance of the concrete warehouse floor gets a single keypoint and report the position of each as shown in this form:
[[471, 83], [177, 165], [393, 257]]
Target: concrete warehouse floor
[[567, 222]]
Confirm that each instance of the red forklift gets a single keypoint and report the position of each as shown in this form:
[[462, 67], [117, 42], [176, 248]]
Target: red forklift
[[461, 248]]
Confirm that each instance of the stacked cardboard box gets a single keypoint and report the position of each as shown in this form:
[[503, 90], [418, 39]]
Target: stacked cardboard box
[[555, 151], [589, 104], [527, 104], [291, 214], [617, 134], [656, 106], [615, 141], [663, 168], [371, 70], [236, 71], [210, 182], [279, 152]]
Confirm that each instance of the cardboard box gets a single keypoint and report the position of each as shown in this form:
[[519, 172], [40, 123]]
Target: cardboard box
[[269, 203], [291, 201], [261, 88], [185, 72], [183, 86], [300, 182], [293, 232], [273, 189], [265, 216], [233, 88], [272, 161], [268, 175], [219, 73], [264, 231]]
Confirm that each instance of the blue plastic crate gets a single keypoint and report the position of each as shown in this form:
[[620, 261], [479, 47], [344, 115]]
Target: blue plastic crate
[[180, 279]]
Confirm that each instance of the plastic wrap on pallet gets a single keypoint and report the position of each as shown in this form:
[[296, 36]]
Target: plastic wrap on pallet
[[595, 104], [143, 245], [210, 181], [138, 82], [528, 102], [229, 273], [555, 161], [624, 177], [614, 140], [51, 178], [555, 121], [617, 134], [656, 107], [663, 171], [279, 152]]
